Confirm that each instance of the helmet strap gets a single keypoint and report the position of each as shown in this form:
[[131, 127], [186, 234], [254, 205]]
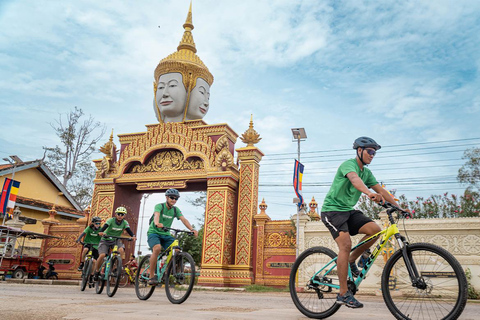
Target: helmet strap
[[361, 157]]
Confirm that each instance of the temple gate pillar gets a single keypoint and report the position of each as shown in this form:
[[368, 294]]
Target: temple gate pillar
[[219, 233], [259, 243], [249, 158]]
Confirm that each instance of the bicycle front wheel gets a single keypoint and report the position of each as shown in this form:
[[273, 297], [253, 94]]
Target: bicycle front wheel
[[113, 279], [100, 283], [441, 292], [142, 288], [87, 269], [180, 278], [312, 299]]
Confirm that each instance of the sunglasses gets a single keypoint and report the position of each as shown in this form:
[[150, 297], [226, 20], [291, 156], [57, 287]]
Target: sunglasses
[[371, 152], [97, 223], [173, 198], [120, 214]]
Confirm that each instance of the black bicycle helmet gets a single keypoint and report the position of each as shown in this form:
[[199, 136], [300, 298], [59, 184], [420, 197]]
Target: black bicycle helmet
[[96, 219], [172, 192], [366, 142]]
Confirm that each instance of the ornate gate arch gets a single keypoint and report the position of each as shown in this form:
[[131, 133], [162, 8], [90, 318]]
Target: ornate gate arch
[[190, 156]]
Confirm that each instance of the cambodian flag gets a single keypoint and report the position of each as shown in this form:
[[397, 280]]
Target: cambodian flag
[[297, 180], [9, 195]]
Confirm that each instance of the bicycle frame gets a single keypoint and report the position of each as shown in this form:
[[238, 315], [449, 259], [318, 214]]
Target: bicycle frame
[[392, 230], [107, 261], [170, 252]]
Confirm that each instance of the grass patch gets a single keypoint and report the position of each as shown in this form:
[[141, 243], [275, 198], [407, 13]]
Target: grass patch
[[259, 288]]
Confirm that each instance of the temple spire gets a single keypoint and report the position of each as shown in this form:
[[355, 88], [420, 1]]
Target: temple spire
[[187, 42]]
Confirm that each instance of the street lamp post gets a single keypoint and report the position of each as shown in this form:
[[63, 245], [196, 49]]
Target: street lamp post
[[144, 196], [299, 134]]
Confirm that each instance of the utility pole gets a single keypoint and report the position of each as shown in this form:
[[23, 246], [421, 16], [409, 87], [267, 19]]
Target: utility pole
[[144, 197], [299, 134]]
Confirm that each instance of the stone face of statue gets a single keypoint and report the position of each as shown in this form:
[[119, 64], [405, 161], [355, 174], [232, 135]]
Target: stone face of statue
[[171, 96], [199, 101]]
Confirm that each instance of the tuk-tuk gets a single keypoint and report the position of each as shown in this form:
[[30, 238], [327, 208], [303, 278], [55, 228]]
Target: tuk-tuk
[[12, 258]]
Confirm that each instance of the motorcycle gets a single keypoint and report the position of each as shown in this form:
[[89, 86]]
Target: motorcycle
[[51, 274]]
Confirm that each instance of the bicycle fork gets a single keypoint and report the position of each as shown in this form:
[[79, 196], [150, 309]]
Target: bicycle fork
[[417, 280]]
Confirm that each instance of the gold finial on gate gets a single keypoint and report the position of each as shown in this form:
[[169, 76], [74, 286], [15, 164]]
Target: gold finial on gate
[[250, 137]]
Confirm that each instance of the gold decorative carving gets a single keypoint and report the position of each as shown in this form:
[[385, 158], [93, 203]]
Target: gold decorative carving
[[107, 164], [166, 161], [250, 137], [159, 185]]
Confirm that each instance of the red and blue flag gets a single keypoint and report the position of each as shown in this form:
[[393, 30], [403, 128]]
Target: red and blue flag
[[9, 195], [297, 181]]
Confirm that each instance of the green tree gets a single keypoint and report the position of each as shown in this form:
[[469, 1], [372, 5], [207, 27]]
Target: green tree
[[193, 245], [469, 173], [70, 161]]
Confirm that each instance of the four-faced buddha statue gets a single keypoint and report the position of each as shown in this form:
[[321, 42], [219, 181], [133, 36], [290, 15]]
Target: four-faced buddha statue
[[182, 82]]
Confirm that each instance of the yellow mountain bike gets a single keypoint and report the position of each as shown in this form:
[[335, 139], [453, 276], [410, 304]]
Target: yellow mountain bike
[[178, 272], [419, 281]]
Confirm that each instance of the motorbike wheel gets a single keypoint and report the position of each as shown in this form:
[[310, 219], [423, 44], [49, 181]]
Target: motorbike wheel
[[53, 277]]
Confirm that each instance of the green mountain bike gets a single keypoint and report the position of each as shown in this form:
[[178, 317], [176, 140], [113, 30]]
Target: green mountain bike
[[419, 281], [111, 271], [178, 272], [87, 274]]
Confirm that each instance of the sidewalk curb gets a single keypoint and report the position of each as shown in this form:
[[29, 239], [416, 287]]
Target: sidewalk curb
[[44, 281]]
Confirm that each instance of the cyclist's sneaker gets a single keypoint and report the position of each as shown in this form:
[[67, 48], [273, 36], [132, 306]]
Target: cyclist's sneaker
[[348, 300], [354, 269], [80, 267], [153, 281], [96, 275]]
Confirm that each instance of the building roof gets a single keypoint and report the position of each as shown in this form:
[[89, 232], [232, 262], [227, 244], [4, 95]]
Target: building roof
[[6, 169], [46, 206]]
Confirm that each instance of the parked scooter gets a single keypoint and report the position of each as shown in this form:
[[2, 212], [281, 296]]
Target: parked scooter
[[51, 274]]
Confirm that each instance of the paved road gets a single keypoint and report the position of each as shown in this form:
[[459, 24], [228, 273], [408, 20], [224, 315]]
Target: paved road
[[28, 302]]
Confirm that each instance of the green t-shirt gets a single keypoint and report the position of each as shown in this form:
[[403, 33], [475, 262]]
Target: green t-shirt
[[115, 229], [166, 218], [91, 236], [343, 196]]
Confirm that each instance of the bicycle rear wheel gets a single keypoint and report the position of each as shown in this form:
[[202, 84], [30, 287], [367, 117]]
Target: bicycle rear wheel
[[179, 282], [87, 269], [142, 288], [123, 279], [313, 300], [441, 293], [113, 279]]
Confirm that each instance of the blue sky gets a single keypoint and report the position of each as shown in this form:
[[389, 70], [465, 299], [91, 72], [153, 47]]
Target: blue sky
[[400, 72]]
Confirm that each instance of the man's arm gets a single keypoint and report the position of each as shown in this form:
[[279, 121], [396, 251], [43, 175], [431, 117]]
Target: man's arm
[[156, 219], [102, 231], [360, 186], [385, 194], [188, 225], [81, 236]]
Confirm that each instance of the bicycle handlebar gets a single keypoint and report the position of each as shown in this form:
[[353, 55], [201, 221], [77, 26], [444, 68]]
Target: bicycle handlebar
[[121, 238], [190, 233], [393, 208]]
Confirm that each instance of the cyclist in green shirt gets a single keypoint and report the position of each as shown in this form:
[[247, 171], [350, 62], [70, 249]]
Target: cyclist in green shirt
[[91, 237], [112, 227], [351, 180], [163, 216]]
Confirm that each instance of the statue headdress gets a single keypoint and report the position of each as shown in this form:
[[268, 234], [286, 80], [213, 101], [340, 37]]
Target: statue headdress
[[184, 61]]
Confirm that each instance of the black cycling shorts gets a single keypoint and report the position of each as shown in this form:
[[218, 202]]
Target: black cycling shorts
[[94, 252], [347, 221]]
